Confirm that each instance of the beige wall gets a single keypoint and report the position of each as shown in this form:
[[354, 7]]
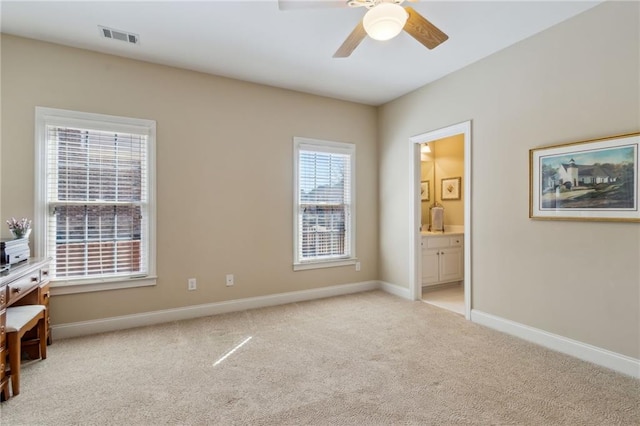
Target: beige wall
[[224, 171], [2, 224], [575, 81]]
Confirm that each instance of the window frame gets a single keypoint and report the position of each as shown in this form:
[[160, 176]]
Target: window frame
[[302, 143], [60, 117]]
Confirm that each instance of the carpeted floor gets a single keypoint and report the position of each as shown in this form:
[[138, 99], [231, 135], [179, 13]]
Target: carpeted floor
[[363, 359]]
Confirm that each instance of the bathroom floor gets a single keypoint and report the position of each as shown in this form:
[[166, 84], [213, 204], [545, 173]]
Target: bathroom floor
[[449, 297]]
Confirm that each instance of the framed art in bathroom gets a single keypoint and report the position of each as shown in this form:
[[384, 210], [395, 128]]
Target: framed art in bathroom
[[593, 180], [450, 189], [424, 190]]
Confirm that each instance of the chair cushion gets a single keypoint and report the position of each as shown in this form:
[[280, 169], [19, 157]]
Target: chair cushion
[[19, 316]]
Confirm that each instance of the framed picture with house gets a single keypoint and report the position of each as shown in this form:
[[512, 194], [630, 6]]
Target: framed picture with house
[[595, 180]]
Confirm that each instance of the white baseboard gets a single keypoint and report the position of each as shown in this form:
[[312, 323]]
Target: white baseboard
[[605, 358], [84, 328], [396, 290]]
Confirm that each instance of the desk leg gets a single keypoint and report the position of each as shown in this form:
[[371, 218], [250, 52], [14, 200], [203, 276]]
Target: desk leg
[[13, 340]]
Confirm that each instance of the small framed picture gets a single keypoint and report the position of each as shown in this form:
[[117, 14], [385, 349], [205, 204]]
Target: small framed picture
[[424, 190], [450, 189]]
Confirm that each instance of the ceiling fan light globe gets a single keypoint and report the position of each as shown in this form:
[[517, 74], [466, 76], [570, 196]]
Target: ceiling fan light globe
[[384, 21]]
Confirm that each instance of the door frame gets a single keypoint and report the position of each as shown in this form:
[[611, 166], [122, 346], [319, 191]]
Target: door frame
[[415, 285]]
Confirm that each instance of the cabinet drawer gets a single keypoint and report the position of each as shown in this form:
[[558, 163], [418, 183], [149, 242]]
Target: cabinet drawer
[[44, 274], [436, 242], [18, 288], [44, 294], [456, 241]]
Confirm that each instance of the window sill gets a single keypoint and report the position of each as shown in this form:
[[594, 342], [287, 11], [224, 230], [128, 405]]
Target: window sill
[[58, 289], [324, 264]]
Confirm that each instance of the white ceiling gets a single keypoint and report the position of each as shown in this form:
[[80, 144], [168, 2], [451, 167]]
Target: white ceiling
[[256, 41]]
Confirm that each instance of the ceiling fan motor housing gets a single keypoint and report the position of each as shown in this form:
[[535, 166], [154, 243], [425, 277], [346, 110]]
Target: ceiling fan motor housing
[[385, 21]]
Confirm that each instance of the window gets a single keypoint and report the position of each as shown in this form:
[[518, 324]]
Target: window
[[324, 207], [95, 212]]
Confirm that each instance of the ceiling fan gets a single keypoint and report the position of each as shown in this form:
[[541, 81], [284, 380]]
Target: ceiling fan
[[383, 20]]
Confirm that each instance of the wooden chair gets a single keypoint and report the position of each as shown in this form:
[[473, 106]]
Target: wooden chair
[[19, 320]]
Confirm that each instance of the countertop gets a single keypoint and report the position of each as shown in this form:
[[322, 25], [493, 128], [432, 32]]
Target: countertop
[[439, 233]]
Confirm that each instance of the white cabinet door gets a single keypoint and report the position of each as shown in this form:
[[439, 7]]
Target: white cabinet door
[[430, 267], [451, 264]]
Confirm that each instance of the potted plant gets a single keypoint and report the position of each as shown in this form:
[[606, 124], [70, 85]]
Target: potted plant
[[19, 228]]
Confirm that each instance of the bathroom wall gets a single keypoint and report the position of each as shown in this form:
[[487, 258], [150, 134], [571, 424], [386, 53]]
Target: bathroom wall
[[427, 171], [446, 160], [449, 163]]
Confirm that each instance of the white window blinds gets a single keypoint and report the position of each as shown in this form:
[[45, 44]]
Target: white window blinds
[[324, 201], [97, 201]]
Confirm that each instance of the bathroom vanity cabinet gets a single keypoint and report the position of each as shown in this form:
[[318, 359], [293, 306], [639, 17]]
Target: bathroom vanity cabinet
[[442, 258]]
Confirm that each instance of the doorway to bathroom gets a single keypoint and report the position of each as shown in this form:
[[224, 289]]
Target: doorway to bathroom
[[440, 251]]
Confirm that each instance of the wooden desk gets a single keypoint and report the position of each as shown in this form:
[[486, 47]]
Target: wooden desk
[[26, 283]]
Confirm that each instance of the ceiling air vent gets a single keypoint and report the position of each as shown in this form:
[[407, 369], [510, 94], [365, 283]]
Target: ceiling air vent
[[119, 35]]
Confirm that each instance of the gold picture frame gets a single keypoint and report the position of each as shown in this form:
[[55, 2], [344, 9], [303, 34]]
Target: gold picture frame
[[450, 188], [594, 180], [425, 190]]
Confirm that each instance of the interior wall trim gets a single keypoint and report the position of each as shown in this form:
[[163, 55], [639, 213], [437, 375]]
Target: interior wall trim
[[396, 290], [584, 351], [83, 328]]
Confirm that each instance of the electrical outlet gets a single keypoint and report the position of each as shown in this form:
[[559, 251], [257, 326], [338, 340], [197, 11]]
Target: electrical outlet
[[229, 280], [357, 266], [191, 284]]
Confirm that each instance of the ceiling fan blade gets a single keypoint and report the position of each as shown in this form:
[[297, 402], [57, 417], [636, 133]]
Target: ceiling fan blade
[[310, 4], [422, 30], [357, 35]]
